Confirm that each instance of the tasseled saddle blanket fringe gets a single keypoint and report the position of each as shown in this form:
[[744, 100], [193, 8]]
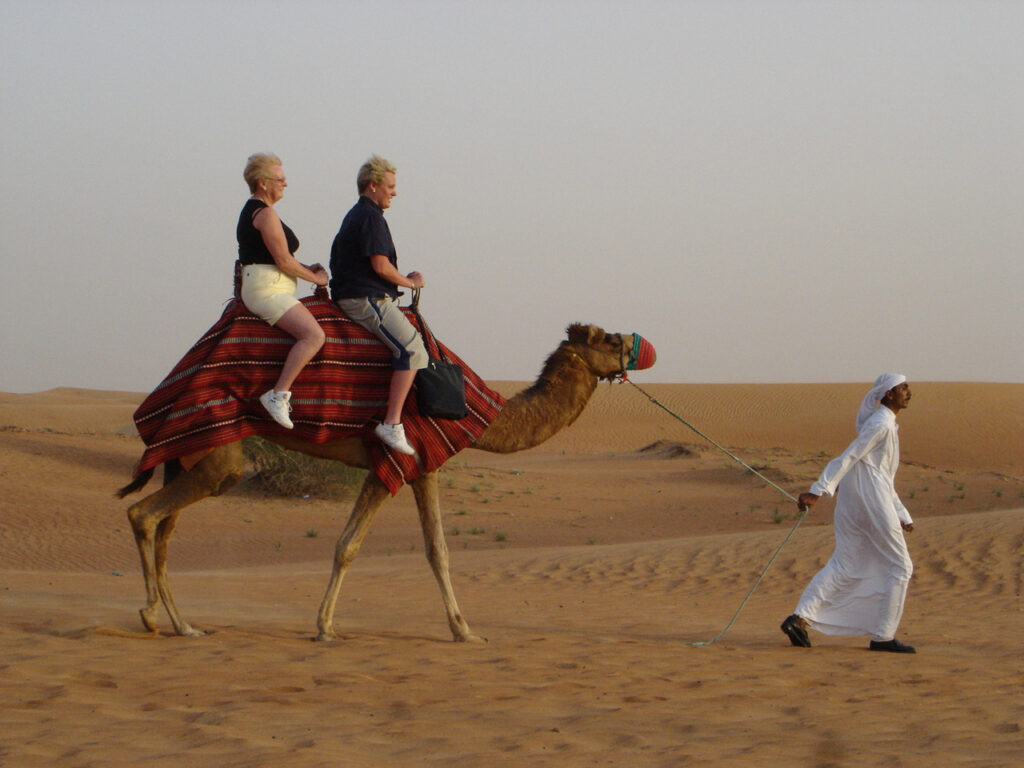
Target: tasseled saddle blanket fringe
[[211, 397]]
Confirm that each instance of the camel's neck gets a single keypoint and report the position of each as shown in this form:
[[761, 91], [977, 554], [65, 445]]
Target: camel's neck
[[552, 403]]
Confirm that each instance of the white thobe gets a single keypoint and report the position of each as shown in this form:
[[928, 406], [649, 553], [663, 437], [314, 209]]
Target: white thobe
[[862, 588]]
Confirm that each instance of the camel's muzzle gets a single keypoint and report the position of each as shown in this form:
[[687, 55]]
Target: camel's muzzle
[[642, 355]]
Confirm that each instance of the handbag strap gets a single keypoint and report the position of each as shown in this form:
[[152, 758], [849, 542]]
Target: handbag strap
[[425, 329]]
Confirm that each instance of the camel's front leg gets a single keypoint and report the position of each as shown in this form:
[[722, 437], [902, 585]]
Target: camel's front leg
[[373, 494], [429, 507]]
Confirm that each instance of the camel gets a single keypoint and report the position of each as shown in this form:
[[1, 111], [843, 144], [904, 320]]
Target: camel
[[566, 383]]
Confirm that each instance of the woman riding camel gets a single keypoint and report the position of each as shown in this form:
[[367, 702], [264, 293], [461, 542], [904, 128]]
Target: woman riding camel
[[270, 272]]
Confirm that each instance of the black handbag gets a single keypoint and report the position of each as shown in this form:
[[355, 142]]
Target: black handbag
[[440, 387]]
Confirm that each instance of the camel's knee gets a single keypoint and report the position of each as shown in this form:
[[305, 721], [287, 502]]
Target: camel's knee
[[344, 554]]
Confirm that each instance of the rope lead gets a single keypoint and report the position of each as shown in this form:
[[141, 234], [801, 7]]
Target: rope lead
[[738, 460]]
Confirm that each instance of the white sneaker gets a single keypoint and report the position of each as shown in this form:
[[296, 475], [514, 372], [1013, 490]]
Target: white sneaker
[[278, 404], [393, 435]]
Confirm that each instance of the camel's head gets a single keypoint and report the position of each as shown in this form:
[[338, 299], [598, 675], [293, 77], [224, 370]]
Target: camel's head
[[610, 355]]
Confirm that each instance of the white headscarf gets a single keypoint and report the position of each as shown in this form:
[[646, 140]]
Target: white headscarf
[[883, 384]]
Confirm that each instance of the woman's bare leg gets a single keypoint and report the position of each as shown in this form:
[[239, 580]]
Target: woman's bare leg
[[309, 337]]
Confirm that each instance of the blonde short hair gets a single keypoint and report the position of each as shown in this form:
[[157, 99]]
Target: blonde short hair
[[258, 167], [372, 172]]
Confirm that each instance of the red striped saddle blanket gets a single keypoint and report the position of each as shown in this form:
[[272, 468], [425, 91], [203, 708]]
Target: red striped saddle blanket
[[211, 397]]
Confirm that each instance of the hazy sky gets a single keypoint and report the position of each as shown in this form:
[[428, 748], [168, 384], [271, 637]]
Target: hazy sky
[[768, 191]]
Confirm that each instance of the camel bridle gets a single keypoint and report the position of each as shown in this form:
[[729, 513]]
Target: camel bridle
[[625, 358], [629, 359]]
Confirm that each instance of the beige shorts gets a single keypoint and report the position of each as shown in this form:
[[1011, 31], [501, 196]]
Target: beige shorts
[[267, 291], [382, 317]]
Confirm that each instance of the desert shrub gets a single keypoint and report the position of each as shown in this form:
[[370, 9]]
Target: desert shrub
[[280, 472]]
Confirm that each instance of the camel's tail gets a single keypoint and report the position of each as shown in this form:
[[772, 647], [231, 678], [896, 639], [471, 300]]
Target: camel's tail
[[140, 480]]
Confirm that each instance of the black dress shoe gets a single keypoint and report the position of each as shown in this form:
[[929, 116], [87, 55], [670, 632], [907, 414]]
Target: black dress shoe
[[794, 629], [893, 646]]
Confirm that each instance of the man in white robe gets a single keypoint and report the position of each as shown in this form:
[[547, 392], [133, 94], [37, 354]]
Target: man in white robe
[[862, 588]]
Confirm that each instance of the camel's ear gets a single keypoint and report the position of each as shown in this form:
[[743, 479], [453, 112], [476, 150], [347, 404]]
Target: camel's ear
[[577, 333], [585, 334]]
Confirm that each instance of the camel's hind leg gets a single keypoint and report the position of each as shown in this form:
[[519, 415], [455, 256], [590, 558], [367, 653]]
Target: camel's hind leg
[[372, 495], [429, 507], [154, 517]]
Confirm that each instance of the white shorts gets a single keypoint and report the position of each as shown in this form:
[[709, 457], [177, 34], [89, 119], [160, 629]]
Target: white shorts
[[267, 291]]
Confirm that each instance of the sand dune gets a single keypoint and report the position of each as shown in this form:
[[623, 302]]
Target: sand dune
[[591, 564]]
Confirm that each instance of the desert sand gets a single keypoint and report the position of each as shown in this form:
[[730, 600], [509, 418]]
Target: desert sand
[[593, 564]]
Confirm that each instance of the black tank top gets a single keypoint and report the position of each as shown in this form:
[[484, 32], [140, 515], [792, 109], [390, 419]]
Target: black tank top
[[251, 249]]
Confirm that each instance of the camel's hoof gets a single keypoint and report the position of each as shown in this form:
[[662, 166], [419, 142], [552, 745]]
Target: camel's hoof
[[469, 637], [188, 631], [147, 619], [326, 637]]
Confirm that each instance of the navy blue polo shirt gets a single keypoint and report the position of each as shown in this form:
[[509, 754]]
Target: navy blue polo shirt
[[364, 233]]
